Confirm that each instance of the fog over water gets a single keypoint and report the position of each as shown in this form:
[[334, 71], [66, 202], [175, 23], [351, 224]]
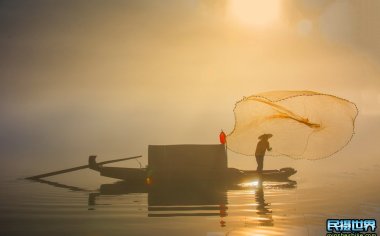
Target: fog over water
[[110, 78]]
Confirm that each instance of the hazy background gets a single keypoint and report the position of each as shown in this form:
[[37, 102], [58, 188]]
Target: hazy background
[[111, 77]]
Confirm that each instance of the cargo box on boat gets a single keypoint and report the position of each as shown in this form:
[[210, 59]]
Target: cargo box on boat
[[190, 161]]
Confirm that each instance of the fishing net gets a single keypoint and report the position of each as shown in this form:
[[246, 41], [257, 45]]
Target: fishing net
[[304, 124]]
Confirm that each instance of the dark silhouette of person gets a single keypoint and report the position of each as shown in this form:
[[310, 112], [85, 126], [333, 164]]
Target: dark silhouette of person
[[261, 148]]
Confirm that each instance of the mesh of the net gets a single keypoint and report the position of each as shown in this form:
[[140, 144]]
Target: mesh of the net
[[304, 124]]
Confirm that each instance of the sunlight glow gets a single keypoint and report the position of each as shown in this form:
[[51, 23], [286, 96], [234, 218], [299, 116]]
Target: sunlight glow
[[249, 184], [255, 13]]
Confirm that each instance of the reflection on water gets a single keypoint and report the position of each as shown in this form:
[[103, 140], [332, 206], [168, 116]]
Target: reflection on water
[[59, 185], [191, 200], [263, 209], [171, 201], [181, 201], [254, 208]]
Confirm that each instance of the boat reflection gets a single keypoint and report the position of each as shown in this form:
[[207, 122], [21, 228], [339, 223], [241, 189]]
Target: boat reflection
[[59, 185], [190, 200], [172, 200]]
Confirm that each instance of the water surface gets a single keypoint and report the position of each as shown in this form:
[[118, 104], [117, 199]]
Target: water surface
[[298, 207]]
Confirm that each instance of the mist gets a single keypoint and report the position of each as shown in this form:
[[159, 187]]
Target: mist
[[109, 78]]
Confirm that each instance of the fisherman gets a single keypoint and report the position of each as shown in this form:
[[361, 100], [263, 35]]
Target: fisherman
[[261, 148]]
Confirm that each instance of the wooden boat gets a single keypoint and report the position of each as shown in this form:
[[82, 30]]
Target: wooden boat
[[196, 164], [230, 175], [188, 163]]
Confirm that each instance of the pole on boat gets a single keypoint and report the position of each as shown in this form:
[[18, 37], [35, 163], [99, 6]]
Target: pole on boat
[[78, 168]]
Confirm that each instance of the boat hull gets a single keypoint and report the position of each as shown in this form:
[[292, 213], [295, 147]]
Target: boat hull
[[232, 175], [172, 177]]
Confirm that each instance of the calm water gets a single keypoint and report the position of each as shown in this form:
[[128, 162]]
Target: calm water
[[298, 207]]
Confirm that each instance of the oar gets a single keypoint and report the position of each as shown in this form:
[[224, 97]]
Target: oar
[[78, 168]]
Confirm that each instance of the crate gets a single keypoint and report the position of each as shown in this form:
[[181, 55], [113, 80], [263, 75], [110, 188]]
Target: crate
[[187, 162]]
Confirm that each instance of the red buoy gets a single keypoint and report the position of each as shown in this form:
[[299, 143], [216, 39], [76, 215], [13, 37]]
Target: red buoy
[[222, 137]]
